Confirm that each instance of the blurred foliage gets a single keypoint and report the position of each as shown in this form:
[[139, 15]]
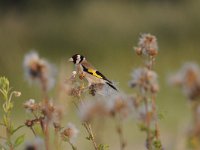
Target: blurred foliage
[[19, 4], [105, 32]]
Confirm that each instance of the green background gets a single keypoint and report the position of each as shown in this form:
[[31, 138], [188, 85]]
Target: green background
[[105, 32]]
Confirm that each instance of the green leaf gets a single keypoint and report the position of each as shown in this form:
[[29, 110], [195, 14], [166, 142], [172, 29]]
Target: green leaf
[[143, 127], [19, 140], [74, 148], [157, 144], [103, 147], [5, 108], [89, 137], [4, 83], [11, 127], [10, 106], [5, 120], [161, 116]]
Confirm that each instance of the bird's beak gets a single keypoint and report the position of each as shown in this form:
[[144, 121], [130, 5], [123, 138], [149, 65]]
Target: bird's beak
[[71, 59]]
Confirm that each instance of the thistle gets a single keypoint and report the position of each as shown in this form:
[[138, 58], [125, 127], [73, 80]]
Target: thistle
[[145, 80]]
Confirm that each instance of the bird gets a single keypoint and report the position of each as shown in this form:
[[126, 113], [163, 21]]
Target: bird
[[92, 75]]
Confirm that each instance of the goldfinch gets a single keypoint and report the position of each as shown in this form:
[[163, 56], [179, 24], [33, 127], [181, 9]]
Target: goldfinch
[[92, 75]]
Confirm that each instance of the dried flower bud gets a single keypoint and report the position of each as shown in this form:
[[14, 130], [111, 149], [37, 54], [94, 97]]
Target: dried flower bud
[[57, 126], [74, 73], [76, 91], [145, 80], [188, 78], [17, 93], [147, 45], [29, 123], [154, 88], [138, 50], [91, 109], [120, 104], [70, 132], [81, 75], [95, 88], [39, 70], [30, 105]]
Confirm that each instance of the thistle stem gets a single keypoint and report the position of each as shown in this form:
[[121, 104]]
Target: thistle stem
[[46, 133], [119, 129], [88, 128], [91, 134]]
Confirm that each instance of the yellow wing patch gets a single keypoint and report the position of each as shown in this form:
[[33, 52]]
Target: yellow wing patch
[[93, 72]]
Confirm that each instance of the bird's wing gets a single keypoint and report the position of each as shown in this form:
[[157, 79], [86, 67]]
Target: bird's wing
[[87, 64], [95, 73]]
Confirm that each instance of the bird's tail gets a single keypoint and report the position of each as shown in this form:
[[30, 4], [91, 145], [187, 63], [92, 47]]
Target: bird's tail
[[112, 86]]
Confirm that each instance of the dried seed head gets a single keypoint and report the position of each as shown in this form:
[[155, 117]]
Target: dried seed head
[[29, 123], [70, 132], [188, 78], [91, 109], [94, 88], [58, 114], [145, 79], [57, 126], [76, 91], [53, 113], [120, 104], [147, 45], [39, 70], [74, 73], [30, 105], [17, 93]]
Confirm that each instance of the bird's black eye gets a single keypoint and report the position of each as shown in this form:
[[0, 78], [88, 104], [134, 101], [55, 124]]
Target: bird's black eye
[[74, 57], [82, 57], [77, 58]]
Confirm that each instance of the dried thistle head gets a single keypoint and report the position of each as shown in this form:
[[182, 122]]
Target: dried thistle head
[[145, 79], [94, 88], [39, 70], [188, 78], [29, 123], [17, 93], [45, 109], [147, 45], [120, 104], [92, 109], [76, 91], [58, 114], [73, 87], [70, 133], [51, 112], [31, 105]]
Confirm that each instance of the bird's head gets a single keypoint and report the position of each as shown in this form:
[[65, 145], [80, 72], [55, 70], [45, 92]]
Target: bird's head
[[77, 58]]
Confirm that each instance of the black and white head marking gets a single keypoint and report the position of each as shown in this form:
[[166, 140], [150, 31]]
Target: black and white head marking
[[77, 59]]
